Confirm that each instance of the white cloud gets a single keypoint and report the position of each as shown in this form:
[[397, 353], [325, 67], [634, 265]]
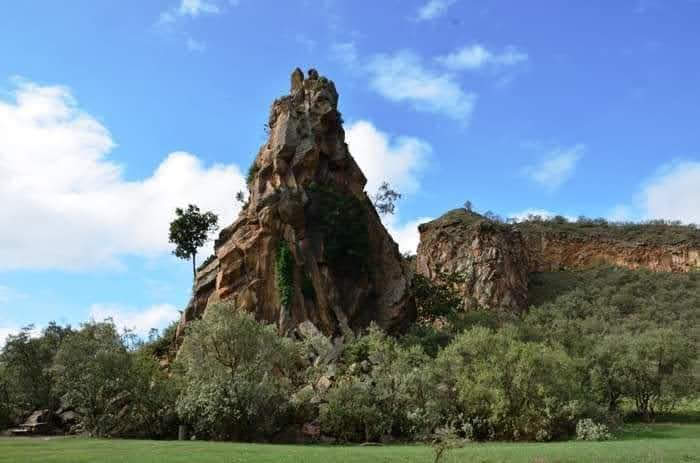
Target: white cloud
[[195, 45], [674, 193], [557, 167], [398, 160], [434, 9], [346, 53], [192, 9], [70, 206], [140, 321], [476, 56], [402, 77], [405, 234]]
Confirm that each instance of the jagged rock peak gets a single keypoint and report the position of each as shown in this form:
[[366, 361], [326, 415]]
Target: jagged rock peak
[[308, 245]]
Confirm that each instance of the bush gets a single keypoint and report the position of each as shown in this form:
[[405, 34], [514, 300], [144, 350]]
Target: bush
[[237, 376], [587, 429], [505, 388], [384, 390]]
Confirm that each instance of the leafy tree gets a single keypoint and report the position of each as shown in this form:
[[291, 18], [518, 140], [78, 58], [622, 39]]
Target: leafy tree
[[190, 230], [27, 360], [92, 373], [385, 199], [236, 374], [468, 206]]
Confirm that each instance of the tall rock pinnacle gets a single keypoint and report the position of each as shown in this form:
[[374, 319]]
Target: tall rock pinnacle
[[308, 245]]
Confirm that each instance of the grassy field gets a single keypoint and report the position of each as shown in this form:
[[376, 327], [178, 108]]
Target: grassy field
[[666, 442]]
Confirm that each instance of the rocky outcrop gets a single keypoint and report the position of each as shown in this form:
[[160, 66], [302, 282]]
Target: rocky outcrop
[[487, 263], [308, 245], [551, 251]]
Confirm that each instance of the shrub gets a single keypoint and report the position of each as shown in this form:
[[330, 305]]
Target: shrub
[[236, 376], [504, 387], [587, 429], [284, 273]]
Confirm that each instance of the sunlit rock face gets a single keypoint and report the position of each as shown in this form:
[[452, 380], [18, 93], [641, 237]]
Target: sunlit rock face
[[308, 245], [487, 263]]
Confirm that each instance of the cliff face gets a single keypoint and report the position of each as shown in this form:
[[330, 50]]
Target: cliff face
[[485, 262], [488, 263], [308, 245], [555, 251]]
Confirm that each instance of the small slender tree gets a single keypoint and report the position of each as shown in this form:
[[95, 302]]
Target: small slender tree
[[190, 230], [385, 199]]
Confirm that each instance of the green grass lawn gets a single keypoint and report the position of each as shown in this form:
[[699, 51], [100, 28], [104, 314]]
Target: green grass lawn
[[639, 443]]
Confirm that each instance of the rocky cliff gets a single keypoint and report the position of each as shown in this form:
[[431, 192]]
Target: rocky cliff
[[308, 245], [485, 262], [488, 262]]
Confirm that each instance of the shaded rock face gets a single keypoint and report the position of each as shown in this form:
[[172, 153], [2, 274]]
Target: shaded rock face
[[308, 245], [488, 263], [485, 262]]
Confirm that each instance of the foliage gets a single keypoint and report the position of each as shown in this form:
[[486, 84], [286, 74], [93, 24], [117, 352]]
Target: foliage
[[505, 388], [253, 169], [443, 440], [342, 219], [190, 230], [587, 429], [284, 273], [160, 344], [119, 392], [383, 391], [636, 332], [434, 300], [385, 199], [92, 369], [237, 375], [656, 232], [26, 360]]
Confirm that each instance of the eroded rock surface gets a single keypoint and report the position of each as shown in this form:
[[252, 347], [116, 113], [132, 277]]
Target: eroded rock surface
[[485, 262], [308, 245], [488, 263]]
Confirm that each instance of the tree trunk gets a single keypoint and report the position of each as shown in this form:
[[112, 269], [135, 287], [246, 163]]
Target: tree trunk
[[194, 267]]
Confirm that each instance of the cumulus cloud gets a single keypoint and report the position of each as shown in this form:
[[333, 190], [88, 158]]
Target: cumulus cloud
[[189, 8], [434, 9], [404, 233], [403, 77], [397, 160], [140, 321], [674, 193], [70, 206], [557, 167], [476, 56]]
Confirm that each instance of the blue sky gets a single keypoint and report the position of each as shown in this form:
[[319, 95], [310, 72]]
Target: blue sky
[[113, 113]]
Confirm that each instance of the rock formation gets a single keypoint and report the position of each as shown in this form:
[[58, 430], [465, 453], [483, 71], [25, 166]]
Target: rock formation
[[308, 245], [484, 261], [488, 263]]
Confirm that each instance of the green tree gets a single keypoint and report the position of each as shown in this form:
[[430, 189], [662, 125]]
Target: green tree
[[237, 375], [385, 198], [92, 373], [190, 230], [27, 360]]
